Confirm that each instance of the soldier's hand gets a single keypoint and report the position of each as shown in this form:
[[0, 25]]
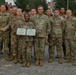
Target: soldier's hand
[[46, 37], [74, 38], [3, 29]]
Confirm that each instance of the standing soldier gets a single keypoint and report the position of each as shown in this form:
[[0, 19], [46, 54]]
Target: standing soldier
[[62, 14], [4, 19], [56, 37], [25, 42], [70, 36], [42, 26], [49, 15], [17, 20], [12, 36]]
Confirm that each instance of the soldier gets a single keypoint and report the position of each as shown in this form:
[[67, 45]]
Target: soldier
[[27, 9], [42, 26], [62, 14], [12, 36], [56, 36], [33, 12], [17, 20], [48, 13], [4, 19], [25, 42], [70, 35]]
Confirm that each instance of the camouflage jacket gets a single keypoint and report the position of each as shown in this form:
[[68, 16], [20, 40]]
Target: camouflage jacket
[[4, 20], [57, 27], [70, 28], [42, 25]]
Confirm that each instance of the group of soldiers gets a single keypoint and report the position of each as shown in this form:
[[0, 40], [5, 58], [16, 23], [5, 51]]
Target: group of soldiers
[[57, 30]]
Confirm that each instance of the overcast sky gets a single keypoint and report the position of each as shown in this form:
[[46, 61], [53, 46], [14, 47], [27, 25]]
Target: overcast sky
[[11, 1]]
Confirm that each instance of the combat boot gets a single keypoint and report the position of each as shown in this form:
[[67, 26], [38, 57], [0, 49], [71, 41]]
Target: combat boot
[[19, 60], [24, 64], [1, 52], [7, 57], [15, 60], [37, 62], [60, 60], [50, 60], [41, 62], [67, 60], [28, 64], [74, 63]]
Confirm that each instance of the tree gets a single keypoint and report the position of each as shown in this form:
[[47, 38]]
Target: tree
[[2, 2], [32, 3], [63, 3]]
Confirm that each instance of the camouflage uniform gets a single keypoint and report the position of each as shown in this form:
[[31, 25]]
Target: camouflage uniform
[[70, 29], [25, 43], [42, 26], [56, 36], [12, 19], [4, 19], [15, 22]]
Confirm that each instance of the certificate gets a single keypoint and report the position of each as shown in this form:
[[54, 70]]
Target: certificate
[[21, 31], [31, 32]]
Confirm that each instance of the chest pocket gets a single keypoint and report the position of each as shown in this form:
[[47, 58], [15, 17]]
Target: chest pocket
[[40, 23]]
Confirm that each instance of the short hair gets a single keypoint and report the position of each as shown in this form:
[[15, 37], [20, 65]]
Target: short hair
[[56, 9], [19, 9], [2, 5], [40, 6]]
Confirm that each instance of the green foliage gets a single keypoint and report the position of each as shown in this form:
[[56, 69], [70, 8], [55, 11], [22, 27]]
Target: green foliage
[[32, 3], [2, 2], [63, 3]]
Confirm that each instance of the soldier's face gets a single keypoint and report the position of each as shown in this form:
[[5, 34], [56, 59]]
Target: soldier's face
[[27, 18], [56, 13], [14, 10], [3, 8], [27, 8], [19, 12], [40, 10], [62, 10], [48, 12], [33, 11], [10, 11], [69, 13]]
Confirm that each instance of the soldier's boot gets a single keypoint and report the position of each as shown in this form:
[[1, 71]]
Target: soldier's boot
[[15, 60], [28, 64], [37, 62], [60, 60], [50, 60], [24, 64], [67, 60], [1, 52], [7, 57], [19, 60], [74, 63], [41, 62]]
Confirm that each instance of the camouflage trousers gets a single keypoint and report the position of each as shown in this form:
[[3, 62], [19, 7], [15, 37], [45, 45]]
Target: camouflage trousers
[[55, 42], [14, 49], [5, 40], [39, 45], [70, 49], [24, 49]]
